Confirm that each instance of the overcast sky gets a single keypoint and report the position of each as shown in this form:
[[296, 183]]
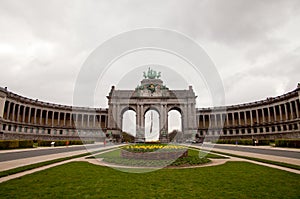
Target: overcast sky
[[254, 44]]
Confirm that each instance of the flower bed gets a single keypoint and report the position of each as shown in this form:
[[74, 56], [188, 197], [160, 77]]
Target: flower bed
[[154, 152]]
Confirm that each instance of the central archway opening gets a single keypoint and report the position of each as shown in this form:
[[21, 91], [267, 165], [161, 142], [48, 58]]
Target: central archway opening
[[129, 122], [151, 125]]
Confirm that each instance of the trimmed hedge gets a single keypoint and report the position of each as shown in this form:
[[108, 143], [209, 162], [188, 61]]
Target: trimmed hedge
[[15, 144], [288, 143], [244, 142], [64, 142]]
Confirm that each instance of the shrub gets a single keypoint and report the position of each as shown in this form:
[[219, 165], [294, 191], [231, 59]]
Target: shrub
[[292, 143], [25, 144], [64, 142]]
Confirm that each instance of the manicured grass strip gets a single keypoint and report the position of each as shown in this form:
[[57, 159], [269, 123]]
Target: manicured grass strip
[[283, 164], [41, 164], [84, 180]]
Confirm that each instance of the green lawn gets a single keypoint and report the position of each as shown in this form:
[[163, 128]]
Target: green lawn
[[84, 180]]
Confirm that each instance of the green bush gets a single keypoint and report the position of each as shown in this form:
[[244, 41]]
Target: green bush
[[244, 142], [64, 142], [4, 144], [291, 143], [25, 144], [14, 144]]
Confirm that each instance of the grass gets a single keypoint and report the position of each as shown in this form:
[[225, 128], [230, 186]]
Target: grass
[[41, 164], [84, 180], [192, 159], [283, 164]]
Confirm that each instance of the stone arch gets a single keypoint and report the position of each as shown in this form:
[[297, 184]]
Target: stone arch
[[176, 110], [121, 115], [151, 132]]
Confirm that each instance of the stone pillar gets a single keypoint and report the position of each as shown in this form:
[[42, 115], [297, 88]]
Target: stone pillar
[[35, 112], [251, 118], [263, 115], [233, 119], [143, 119], [52, 119], [13, 112], [23, 116], [269, 115], [94, 121], [18, 113], [88, 120], [8, 110], [297, 112], [203, 121], [29, 115], [47, 115], [275, 113], [58, 118], [239, 117], [280, 113], [227, 122], [286, 112], [41, 116], [65, 118], [291, 108]]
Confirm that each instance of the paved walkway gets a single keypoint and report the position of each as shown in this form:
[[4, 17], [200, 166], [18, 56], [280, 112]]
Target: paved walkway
[[294, 161]]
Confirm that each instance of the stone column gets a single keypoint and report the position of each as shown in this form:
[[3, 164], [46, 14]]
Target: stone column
[[263, 115], [8, 111], [286, 113], [29, 115], [18, 113], [35, 112], [94, 121], [52, 119], [227, 122], [251, 118], [13, 112], [269, 115], [233, 119], [47, 115], [143, 119], [257, 116], [239, 117], [297, 112], [23, 116], [41, 116], [65, 118], [291, 108], [203, 121], [280, 113], [88, 120], [58, 119], [275, 114]]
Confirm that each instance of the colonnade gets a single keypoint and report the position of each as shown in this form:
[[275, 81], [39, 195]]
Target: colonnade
[[251, 118], [31, 118]]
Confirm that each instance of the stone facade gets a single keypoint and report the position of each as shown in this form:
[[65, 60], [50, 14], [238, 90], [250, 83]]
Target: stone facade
[[23, 118], [152, 95]]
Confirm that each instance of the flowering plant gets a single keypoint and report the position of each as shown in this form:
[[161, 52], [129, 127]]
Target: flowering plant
[[142, 148]]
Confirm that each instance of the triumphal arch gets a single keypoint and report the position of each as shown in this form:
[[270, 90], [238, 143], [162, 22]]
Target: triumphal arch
[[152, 94]]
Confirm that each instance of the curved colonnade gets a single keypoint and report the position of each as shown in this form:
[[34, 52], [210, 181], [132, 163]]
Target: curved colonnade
[[275, 117], [24, 118]]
